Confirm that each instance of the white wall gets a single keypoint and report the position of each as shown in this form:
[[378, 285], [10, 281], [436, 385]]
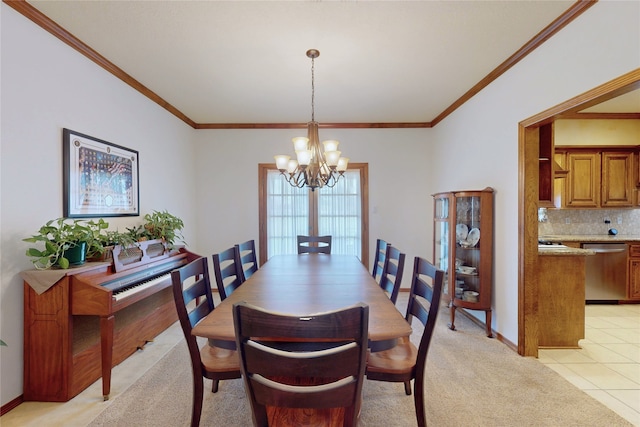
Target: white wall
[[399, 205], [46, 86], [477, 146]]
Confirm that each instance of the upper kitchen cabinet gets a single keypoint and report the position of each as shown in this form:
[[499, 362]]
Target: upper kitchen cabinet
[[599, 177], [583, 181], [545, 161], [549, 167], [618, 185]]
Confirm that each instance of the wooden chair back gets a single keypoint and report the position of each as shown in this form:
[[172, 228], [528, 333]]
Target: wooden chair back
[[378, 259], [291, 364], [392, 272], [404, 362], [227, 271], [246, 259], [314, 244], [426, 311], [192, 288]]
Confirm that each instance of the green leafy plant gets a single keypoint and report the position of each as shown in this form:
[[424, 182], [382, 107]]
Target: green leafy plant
[[59, 235], [96, 237], [126, 240], [163, 226]]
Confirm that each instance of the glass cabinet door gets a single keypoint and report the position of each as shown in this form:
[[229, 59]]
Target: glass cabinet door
[[441, 238], [467, 251]]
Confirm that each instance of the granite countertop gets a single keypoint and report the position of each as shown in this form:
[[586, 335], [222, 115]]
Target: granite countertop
[[582, 238], [597, 238], [556, 250]]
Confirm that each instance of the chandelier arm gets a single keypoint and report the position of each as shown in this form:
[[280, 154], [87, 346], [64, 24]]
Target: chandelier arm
[[332, 180]]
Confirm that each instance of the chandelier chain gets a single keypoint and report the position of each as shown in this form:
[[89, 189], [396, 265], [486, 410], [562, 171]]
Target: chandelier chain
[[313, 89]]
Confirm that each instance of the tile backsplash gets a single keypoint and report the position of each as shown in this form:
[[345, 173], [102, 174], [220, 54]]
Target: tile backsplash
[[589, 221]]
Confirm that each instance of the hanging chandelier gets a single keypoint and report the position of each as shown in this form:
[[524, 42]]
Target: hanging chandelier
[[314, 167]]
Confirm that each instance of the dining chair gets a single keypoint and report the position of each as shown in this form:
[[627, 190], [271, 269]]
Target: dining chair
[[227, 271], [299, 367], [378, 259], [246, 259], [192, 282], [391, 277], [314, 244], [405, 362]]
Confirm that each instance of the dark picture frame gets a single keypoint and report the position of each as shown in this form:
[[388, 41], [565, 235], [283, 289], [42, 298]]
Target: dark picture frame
[[101, 179]]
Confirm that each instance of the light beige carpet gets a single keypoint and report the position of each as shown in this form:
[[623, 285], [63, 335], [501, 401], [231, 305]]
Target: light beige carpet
[[472, 380]]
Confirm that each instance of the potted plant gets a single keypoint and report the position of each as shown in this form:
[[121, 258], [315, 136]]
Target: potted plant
[[96, 237], [66, 243], [127, 241], [163, 226]]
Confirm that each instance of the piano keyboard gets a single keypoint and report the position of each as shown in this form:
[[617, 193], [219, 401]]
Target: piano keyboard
[[127, 291]]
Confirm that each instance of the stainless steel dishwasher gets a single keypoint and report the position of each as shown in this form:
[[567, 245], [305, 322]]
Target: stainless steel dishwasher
[[606, 272]]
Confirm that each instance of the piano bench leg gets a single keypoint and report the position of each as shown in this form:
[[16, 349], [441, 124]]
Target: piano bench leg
[[106, 397], [214, 386]]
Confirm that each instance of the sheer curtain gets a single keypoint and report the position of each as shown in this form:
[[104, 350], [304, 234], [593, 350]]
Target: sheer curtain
[[287, 214], [339, 214]]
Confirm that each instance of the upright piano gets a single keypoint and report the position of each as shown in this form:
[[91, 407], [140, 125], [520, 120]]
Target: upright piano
[[92, 319]]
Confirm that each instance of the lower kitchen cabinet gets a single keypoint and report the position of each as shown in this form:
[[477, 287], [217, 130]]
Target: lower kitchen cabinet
[[633, 275], [561, 296]]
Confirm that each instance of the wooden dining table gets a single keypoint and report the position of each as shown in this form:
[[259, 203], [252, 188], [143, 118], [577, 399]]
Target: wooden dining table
[[307, 284]]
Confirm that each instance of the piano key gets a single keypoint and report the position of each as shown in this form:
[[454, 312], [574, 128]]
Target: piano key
[[132, 289]]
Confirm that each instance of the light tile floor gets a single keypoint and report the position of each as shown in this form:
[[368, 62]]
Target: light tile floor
[[607, 367]]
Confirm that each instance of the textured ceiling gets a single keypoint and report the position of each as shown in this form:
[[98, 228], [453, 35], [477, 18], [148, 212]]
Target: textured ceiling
[[245, 62]]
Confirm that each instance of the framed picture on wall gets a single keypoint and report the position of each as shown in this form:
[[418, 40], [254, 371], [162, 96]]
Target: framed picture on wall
[[101, 179]]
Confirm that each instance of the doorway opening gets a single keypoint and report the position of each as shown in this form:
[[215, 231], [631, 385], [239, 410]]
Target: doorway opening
[[528, 196]]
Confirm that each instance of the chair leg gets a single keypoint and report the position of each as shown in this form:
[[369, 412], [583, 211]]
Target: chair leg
[[196, 411], [407, 388], [418, 400], [214, 386]]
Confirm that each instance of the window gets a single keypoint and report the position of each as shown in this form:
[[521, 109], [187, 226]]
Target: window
[[341, 211]]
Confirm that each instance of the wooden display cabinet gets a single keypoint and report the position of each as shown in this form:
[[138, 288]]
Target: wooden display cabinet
[[463, 249]]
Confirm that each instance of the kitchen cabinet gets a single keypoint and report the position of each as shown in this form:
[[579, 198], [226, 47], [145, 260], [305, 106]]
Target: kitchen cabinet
[[561, 308], [598, 177], [550, 169], [583, 180], [545, 161], [559, 184], [633, 275], [463, 249], [617, 179]]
